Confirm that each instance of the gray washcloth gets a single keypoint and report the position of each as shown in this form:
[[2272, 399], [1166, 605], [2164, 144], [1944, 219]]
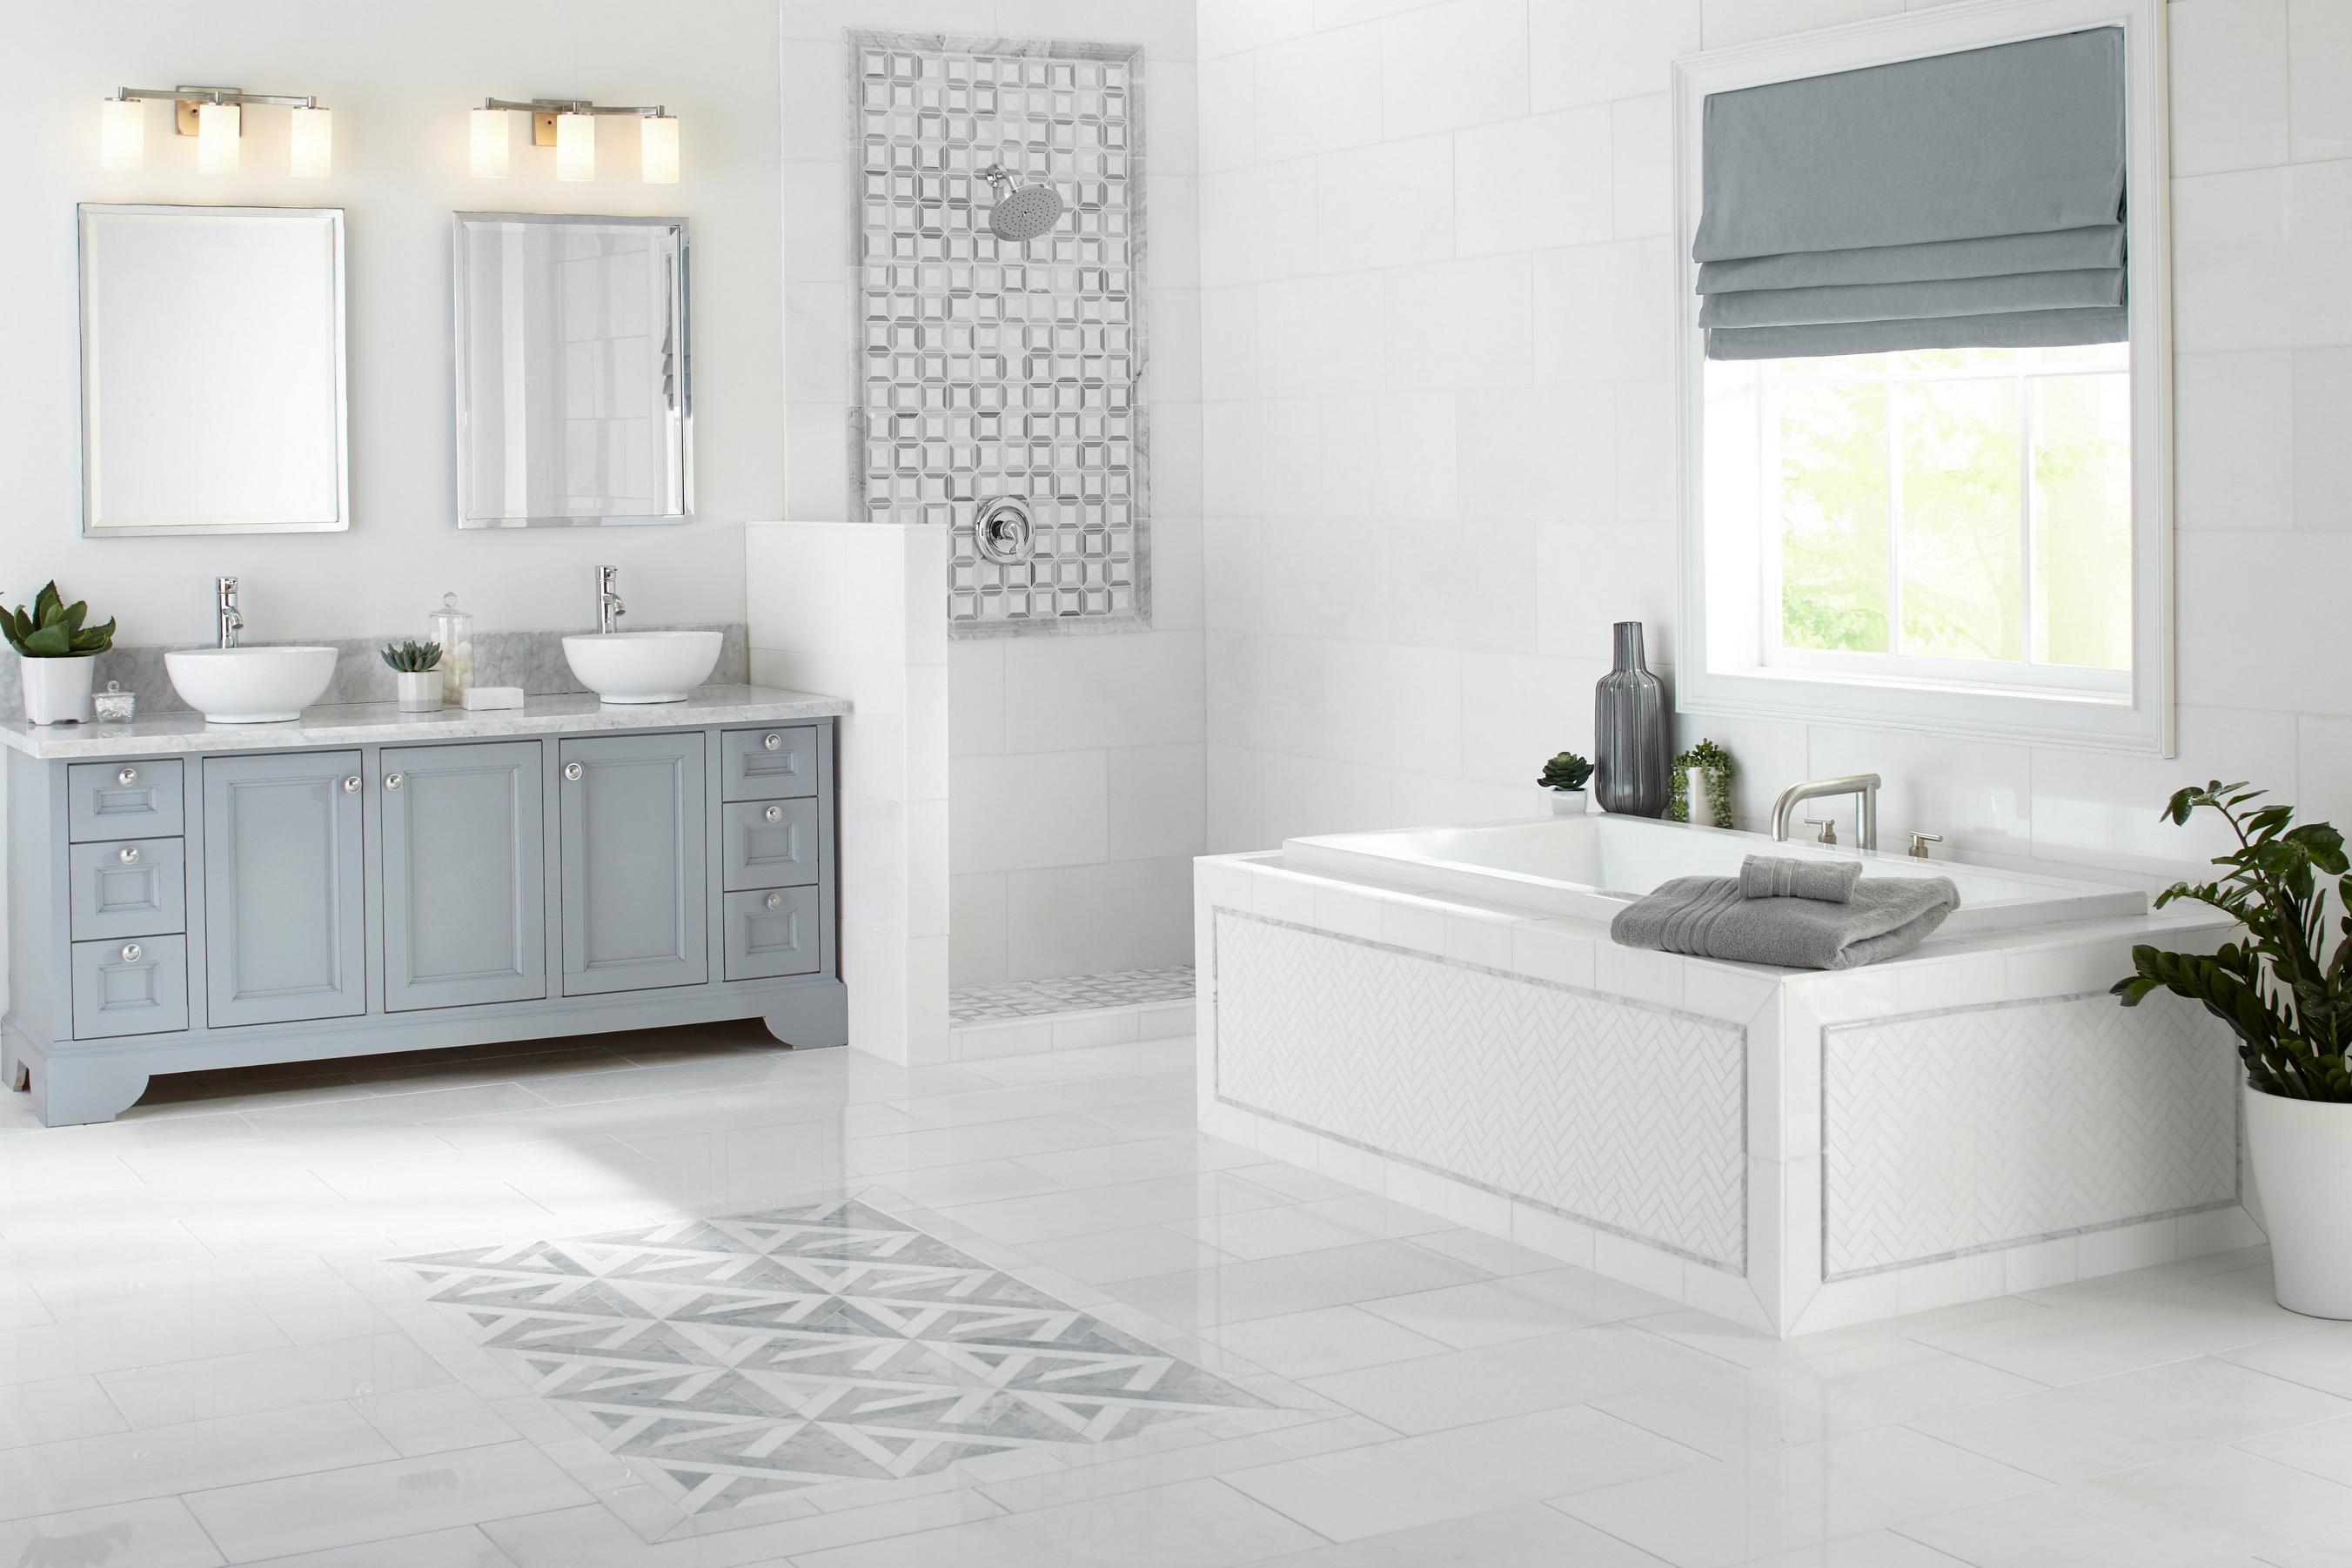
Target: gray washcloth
[[1706, 917], [1786, 877]]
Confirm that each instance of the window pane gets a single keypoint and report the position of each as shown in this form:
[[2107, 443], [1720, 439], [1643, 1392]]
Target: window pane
[[2082, 481], [1961, 527], [1834, 534]]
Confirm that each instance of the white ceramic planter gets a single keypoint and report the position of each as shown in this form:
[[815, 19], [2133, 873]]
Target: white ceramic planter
[[57, 690], [419, 690], [1566, 802], [1702, 809], [2302, 1152]]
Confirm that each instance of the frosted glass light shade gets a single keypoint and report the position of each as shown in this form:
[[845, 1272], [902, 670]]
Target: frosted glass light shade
[[122, 133], [216, 132], [313, 140], [658, 159], [575, 147], [489, 138]]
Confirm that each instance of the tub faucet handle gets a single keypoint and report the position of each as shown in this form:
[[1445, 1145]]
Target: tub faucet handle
[[1828, 825], [1919, 842]]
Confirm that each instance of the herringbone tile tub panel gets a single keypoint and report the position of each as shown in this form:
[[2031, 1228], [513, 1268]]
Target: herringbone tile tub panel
[[1951, 1132], [1623, 1115]]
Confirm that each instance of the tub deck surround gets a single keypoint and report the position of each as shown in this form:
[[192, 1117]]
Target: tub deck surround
[[1792, 1149], [383, 723], [186, 896]]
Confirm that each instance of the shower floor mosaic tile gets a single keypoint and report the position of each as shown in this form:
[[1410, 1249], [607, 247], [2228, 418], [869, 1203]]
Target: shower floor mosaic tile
[[729, 1361], [1069, 994]]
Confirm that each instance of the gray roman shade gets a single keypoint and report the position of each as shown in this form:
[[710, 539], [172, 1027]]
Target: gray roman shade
[[1965, 200]]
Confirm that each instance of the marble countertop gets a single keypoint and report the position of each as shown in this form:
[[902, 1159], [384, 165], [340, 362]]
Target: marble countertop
[[385, 724]]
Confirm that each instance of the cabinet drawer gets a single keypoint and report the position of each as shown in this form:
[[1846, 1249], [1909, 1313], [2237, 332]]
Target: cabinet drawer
[[769, 843], [773, 763], [135, 888], [123, 800], [772, 933], [130, 987]]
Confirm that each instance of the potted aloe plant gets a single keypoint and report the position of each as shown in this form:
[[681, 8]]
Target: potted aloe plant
[[58, 654], [415, 674], [2287, 998]]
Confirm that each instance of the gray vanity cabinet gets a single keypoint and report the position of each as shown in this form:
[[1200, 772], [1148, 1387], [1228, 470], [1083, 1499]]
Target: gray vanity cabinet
[[395, 886], [465, 874], [285, 909], [634, 857]]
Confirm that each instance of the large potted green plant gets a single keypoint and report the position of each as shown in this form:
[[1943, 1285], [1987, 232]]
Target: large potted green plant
[[2288, 1000], [57, 654]]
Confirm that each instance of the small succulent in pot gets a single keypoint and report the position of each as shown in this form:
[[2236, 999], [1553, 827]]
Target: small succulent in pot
[[1565, 778], [59, 651], [412, 658], [1715, 770], [416, 673], [1566, 772]]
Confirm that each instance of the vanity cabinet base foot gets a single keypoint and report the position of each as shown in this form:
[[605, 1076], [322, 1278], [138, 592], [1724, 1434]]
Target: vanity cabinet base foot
[[69, 1093], [812, 1018]]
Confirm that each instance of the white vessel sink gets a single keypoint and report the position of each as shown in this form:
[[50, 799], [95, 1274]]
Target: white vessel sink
[[250, 685], [642, 667]]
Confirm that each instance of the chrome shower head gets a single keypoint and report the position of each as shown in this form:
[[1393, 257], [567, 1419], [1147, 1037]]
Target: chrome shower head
[[1022, 212]]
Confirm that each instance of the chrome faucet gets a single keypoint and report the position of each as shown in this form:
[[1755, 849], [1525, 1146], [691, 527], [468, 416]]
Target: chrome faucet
[[227, 621], [1864, 787], [609, 608]]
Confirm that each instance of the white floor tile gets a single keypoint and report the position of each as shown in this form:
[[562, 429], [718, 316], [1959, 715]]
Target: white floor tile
[[2101, 1336], [1529, 1536], [255, 1380], [1192, 1524], [1388, 1487], [160, 1534], [124, 1466], [463, 1548], [383, 1502], [1773, 1500], [1271, 1286], [1326, 1340], [1513, 1378], [1106, 1257], [55, 1410], [2088, 1430]]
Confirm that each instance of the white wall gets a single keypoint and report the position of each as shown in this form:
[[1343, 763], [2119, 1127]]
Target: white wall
[[1436, 324], [400, 79], [1077, 787]]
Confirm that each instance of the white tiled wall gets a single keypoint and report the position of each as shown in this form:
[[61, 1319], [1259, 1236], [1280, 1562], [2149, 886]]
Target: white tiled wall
[[1076, 778], [1436, 318]]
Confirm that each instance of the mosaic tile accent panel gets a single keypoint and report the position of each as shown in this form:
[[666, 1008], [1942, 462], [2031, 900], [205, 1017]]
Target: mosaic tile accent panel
[[733, 1361], [987, 367], [1069, 994], [1945, 1134], [1628, 1117]]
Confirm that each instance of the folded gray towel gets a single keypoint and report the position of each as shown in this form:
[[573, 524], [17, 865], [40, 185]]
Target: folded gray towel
[[1706, 917], [1786, 877]]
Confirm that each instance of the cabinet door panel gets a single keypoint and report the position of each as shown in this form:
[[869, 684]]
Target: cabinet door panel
[[635, 863], [284, 925], [465, 894]]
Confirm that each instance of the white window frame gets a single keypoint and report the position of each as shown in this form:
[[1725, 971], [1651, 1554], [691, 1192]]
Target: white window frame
[[1719, 666]]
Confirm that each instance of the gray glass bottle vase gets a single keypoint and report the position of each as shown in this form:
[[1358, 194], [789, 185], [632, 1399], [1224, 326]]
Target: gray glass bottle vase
[[1629, 731]]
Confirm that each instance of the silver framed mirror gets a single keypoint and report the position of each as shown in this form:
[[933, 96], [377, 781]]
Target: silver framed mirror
[[212, 370], [575, 370]]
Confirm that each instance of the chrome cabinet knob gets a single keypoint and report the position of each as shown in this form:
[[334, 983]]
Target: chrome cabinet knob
[[130, 952], [391, 781], [128, 854], [775, 901], [571, 771], [774, 814], [772, 742], [352, 785], [128, 775]]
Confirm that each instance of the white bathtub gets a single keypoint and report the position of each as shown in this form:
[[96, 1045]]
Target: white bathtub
[[1588, 868]]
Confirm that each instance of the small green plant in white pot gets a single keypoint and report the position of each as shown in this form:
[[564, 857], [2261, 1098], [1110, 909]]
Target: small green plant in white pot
[[1565, 776], [2287, 998], [58, 654], [1700, 790], [416, 674]]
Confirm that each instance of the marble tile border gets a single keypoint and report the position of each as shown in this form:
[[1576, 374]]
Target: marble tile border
[[532, 660]]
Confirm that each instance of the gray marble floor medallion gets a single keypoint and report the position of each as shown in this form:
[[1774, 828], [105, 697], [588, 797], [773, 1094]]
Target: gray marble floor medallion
[[729, 1361]]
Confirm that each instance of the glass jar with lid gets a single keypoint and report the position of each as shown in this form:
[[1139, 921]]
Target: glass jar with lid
[[453, 629]]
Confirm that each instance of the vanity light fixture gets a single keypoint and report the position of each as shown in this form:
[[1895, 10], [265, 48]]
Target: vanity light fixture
[[214, 115], [568, 125]]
